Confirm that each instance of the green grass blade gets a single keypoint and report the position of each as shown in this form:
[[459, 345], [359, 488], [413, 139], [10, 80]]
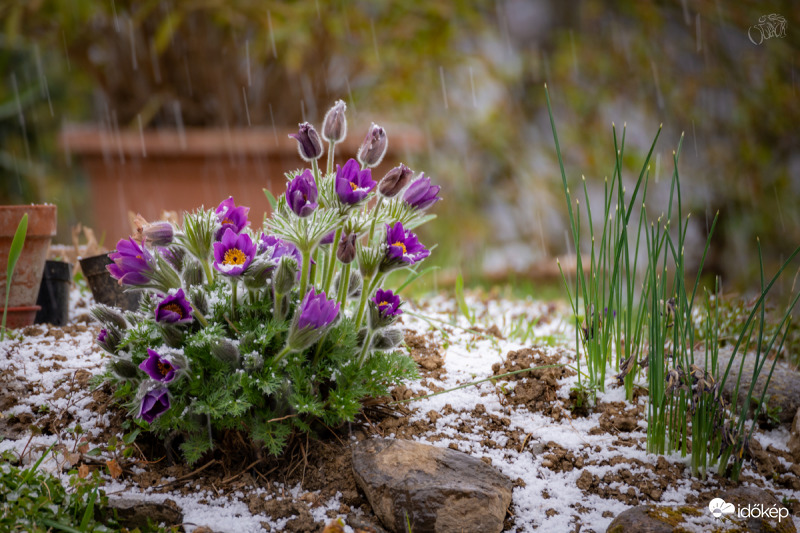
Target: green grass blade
[[13, 256]]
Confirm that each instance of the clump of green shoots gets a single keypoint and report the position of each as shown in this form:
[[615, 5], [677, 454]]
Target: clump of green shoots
[[604, 300]]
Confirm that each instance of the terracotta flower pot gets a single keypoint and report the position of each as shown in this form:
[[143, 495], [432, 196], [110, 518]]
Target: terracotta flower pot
[[27, 276]]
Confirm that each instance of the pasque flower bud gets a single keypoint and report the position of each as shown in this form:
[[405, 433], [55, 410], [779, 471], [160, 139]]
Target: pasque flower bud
[[226, 351], [346, 251], [308, 142], [334, 127], [395, 181], [386, 339], [286, 275], [109, 316], [374, 147], [125, 368], [159, 233]]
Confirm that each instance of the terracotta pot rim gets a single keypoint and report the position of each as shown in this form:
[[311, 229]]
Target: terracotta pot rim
[[42, 220], [21, 309]]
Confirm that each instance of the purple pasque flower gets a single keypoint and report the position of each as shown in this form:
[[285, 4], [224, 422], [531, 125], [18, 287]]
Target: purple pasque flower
[[174, 309], [301, 194], [273, 248], [388, 303], [158, 368], [352, 183], [132, 263], [309, 144], [231, 216], [234, 253], [154, 404], [402, 248], [420, 195], [316, 311]]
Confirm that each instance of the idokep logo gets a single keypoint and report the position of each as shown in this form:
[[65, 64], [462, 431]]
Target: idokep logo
[[720, 507]]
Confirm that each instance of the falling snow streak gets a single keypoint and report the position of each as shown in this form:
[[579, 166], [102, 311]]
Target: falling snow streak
[[374, 40], [176, 111], [154, 61], [246, 108], [271, 35], [472, 87], [43, 86], [141, 135], [274, 129], [444, 89], [249, 76], [134, 62]]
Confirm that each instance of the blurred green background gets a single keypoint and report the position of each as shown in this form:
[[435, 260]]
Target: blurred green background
[[469, 76]]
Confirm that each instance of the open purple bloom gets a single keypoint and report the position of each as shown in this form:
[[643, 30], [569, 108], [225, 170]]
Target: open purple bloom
[[158, 368], [231, 216], [132, 263], [154, 404], [234, 253], [421, 194], [352, 183], [316, 311], [388, 303], [402, 248], [308, 142], [301, 194], [174, 309]]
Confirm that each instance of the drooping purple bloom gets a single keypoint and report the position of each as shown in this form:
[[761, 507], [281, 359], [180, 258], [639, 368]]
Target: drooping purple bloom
[[394, 181], [158, 368], [402, 247], [273, 248], [174, 309], [421, 194], [352, 183], [132, 263], [154, 404], [234, 253], [388, 303], [301, 194], [316, 311], [309, 144], [231, 216]]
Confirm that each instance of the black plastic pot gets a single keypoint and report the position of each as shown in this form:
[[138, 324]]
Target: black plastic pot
[[54, 294], [105, 289]]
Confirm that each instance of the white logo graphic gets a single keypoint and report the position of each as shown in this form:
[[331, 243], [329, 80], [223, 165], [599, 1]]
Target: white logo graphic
[[768, 26], [719, 507]]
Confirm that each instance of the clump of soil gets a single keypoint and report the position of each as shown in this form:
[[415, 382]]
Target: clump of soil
[[427, 353], [536, 389]]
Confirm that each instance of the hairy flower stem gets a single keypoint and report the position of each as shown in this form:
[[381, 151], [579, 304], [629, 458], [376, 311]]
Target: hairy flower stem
[[331, 150], [283, 353], [200, 318], [374, 219], [315, 168], [362, 358], [277, 306], [207, 270], [344, 285], [306, 271], [367, 289], [234, 288], [326, 283]]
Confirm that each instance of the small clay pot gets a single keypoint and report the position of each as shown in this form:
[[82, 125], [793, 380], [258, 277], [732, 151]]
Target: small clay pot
[[105, 289], [54, 294]]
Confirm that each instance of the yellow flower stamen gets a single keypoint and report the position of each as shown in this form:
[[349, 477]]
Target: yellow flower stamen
[[402, 245], [234, 256], [353, 186], [227, 221], [383, 304], [175, 308], [164, 368]]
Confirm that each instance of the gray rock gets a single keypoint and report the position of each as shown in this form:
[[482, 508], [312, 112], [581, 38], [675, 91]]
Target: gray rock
[[783, 390], [794, 437], [432, 489], [134, 514], [666, 518], [650, 519]]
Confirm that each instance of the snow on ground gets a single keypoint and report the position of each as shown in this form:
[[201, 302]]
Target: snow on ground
[[43, 366]]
